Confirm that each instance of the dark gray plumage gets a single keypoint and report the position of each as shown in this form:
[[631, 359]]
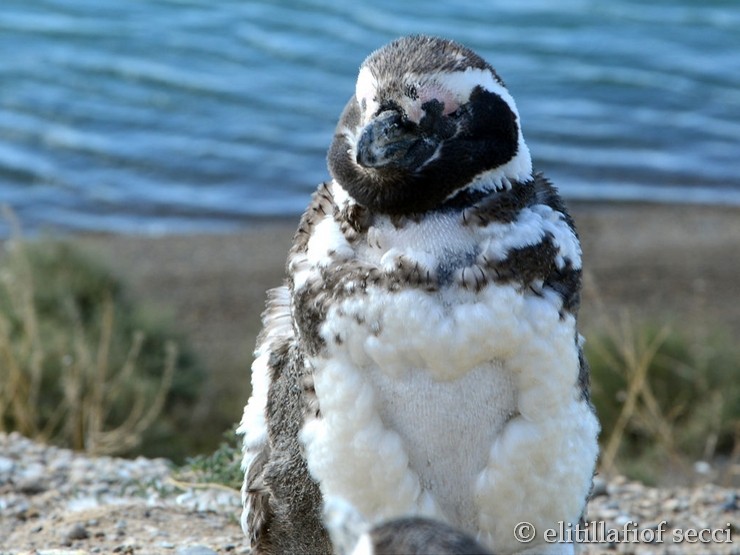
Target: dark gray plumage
[[421, 536]]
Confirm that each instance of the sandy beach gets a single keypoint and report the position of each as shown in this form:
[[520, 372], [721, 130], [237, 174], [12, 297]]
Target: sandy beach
[[660, 264]]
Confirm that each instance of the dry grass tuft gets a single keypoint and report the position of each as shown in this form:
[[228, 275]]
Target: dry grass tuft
[[665, 401], [61, 383]]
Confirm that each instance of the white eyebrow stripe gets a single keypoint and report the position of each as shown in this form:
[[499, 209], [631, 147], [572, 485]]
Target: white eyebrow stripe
[[367, 84], [462, 83], [366, 89]]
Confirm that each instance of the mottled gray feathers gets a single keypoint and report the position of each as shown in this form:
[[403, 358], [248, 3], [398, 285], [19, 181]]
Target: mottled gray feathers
[[420, 536], [282, 494], [420, 55]]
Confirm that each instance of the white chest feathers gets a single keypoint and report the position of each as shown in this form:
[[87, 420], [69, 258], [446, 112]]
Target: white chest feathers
[[446, 428], [450, 403]]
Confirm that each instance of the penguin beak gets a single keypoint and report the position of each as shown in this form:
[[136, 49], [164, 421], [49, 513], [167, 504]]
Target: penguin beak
[[386, 141]]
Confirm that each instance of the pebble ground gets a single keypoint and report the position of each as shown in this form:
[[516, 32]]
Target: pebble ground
[[57, 502]]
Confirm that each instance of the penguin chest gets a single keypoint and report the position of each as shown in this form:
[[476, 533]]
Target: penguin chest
[[413, 394], [446, 428]]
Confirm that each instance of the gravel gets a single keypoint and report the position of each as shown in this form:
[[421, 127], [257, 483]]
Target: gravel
[[702, 519], [57, 502]]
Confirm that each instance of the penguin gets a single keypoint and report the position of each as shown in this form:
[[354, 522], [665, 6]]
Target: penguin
[[422, 358]]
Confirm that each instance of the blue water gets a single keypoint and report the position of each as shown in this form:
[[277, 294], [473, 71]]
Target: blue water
[[193, 115]]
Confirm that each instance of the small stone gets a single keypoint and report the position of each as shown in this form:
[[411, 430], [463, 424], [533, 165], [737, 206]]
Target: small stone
[[77, 532], [730, 504], [82, 503], [195, 550], [653, 525], [28, 513], [99, 490], [702, 468], [19, 508], [619, 480], [614, 488], [167, 545], [676, 505], [6, 467], [31, 485], [608, 514]]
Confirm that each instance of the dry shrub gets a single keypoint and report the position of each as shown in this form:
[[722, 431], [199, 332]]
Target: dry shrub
[[664, 401], [79, 365]]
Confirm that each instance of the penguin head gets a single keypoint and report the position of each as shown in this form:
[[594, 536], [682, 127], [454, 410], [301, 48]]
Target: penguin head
[[429, 117]]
